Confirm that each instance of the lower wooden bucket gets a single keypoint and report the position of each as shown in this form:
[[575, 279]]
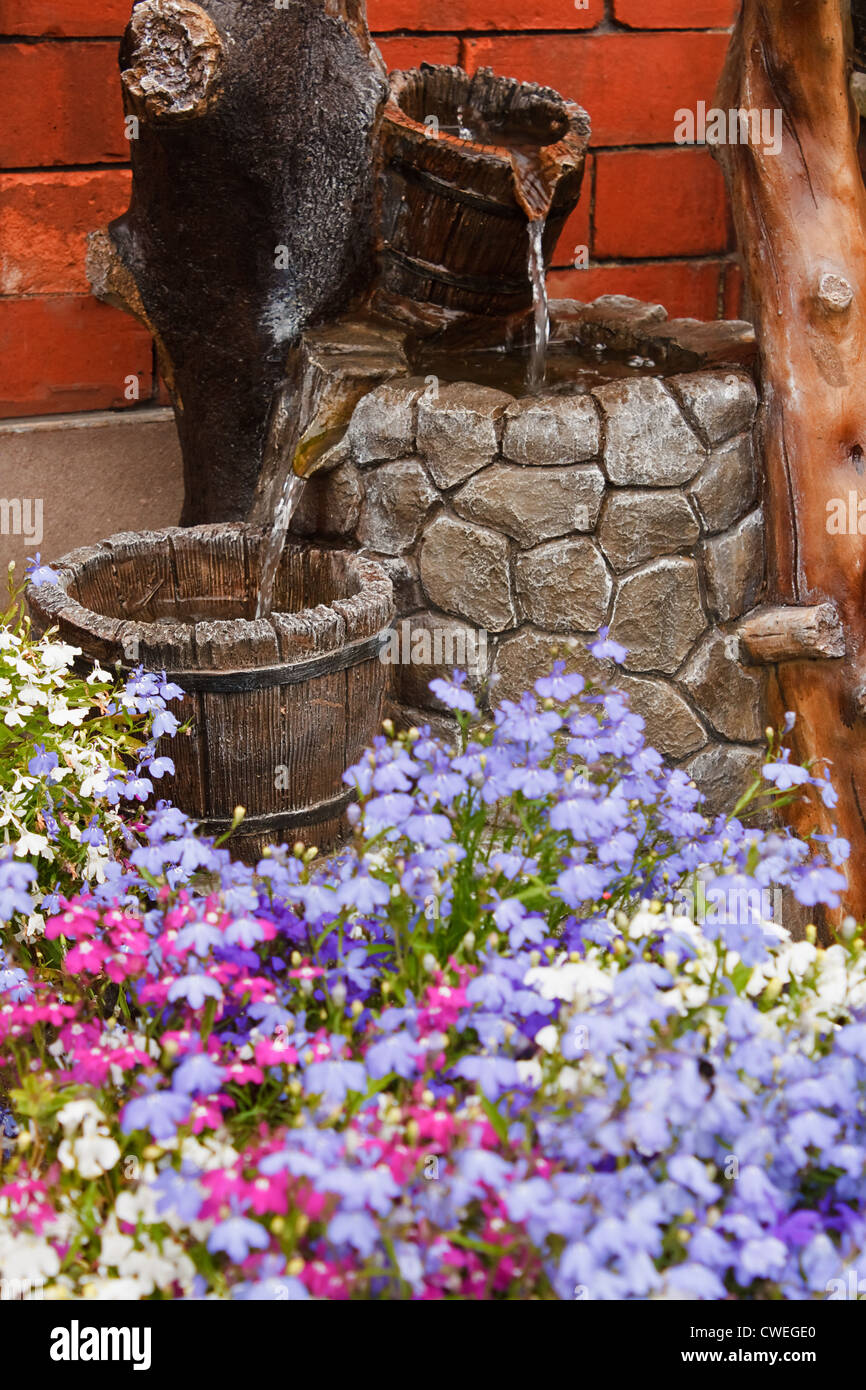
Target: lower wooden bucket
[[280, 706]]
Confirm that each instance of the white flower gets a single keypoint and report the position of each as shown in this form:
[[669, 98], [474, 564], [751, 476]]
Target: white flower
[[60, 713], [92, 1154], [27, 1257], [77, 1113], [548, 1038], [530, 1072], [31, 843], [58, 655], [578, 982]]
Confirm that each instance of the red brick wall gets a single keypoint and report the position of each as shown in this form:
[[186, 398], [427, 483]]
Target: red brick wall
[[653, 215]]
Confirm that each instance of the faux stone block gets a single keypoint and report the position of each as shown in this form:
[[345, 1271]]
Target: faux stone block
[[524, 656], [532, 506], [464, 569], [723, 771], [729, 695], [398, 497], [459, 426], [658, 616], [728, 485], [330, 504], [719, 403], [431, 645], [550, 430], [383, 422], [402, 570], [648, 443], [564, 585], [672, 727], [734, 567], [639, 525]]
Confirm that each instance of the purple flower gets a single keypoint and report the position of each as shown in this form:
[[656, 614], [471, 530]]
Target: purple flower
[[42, 763], [195, 989], [15, 880], [334, 1079], [559, 686], [453, 693], [605, 648], [236, 1237], [37, 573], [493, 1074], [197, 1075], [785, 775], [159, 1113], [354, 1228]]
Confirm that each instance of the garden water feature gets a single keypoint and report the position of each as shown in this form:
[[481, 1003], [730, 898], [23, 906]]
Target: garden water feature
[[521, 472]]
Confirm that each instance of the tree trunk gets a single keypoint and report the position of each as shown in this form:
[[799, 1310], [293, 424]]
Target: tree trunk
[[252, 127], [801, 222]]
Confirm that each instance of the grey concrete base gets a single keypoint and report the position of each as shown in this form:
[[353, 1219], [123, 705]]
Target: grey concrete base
[[69, 480]]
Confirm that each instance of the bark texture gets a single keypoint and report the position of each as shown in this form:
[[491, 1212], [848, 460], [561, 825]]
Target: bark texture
[[251, 212], [801, 222]]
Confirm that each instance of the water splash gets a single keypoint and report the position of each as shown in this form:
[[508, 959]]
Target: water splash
[[290, 496], [541, 314]]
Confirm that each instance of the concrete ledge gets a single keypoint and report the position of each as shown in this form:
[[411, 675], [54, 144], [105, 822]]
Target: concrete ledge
[[69, 480]]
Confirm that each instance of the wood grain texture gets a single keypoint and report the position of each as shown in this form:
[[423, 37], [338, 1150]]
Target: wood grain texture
[[771, 635], [272, 748], [801, 218]]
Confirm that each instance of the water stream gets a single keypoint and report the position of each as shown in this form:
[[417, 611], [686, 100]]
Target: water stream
[[541, 315], [290, 496]]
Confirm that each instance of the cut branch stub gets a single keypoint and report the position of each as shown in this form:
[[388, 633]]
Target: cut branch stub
[[770, 635], [174, 54], [835, 293]]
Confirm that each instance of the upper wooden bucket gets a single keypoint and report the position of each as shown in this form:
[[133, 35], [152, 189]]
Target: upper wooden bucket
[[467, 161], [281, 706]]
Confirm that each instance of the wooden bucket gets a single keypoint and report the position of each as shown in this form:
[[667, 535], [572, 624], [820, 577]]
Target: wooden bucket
[[280, 706], [454, 213]]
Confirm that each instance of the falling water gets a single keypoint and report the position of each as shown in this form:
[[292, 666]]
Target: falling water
[[290, 496], [535, 378]]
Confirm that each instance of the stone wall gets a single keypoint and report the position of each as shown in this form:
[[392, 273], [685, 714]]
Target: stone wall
[[539, 520]]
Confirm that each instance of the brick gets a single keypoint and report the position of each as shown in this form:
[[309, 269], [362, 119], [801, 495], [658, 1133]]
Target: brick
[[44, 221], [577, 229], [385, 15], [735, 291], [631, 84], [676, 14], [687, 289], [403, 53], [652, 203], [64, 17], [62, 105], [69, 353]]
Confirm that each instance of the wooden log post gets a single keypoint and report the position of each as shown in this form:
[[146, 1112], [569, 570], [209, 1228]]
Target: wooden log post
[[800, 212], [252, 128]]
